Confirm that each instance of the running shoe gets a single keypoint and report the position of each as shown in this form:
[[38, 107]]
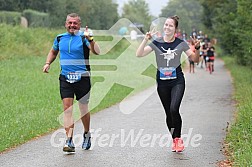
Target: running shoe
[[69, 146], [174, 143], [179, 145], [86, 141]]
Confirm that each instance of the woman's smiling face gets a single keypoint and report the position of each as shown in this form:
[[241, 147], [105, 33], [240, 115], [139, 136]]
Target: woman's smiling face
[[169, 27]]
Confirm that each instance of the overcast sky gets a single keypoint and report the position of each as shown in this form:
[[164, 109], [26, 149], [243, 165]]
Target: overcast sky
[[155, 6]]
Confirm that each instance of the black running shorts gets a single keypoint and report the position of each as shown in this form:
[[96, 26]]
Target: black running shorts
[[80, 89]]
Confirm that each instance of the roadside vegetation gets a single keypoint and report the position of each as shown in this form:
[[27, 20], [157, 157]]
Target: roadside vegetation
[[239, 137]]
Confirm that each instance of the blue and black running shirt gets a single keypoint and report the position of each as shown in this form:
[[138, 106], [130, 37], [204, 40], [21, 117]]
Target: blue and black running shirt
[[71, 53]]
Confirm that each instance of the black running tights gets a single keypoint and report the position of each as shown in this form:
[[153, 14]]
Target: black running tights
[[171, 97]]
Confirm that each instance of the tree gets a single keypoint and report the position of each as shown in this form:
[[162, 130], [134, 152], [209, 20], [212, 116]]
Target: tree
[[57, 12], [10, 5], [244, 34], [231, 22], [98, 14], [209, 9], [137, 11], [223, 23], [190, 14], [20, 5]]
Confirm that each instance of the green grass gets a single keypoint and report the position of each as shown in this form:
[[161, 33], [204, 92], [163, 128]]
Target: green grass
[[20, 42], [239, 138], [30, 100]]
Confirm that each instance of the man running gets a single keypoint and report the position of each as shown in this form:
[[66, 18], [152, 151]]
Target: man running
[[74, 77]]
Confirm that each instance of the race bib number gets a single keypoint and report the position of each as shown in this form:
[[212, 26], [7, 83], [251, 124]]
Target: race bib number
[[73, 77], [167, 73]]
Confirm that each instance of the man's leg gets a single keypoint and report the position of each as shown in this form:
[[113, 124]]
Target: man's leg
[[68, 116], [68, 124], [85, 116], [82, 92]]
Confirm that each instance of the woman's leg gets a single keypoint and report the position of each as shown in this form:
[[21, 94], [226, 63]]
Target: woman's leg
[[165, 97], [210, 67], [177, 94], [171, 98]]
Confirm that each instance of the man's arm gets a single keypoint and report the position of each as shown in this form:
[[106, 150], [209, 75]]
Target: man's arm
[[50, 58], [94, 47]]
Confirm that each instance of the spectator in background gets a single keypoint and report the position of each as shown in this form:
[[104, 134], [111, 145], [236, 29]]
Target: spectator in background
[[211, 57], [204, 53], [133, 34], [179, 34], [191, 62], [184, 36], [194, 33], [206, 39], [200, 35]]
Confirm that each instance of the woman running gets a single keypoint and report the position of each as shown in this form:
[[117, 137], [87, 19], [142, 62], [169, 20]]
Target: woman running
[[170, 78]]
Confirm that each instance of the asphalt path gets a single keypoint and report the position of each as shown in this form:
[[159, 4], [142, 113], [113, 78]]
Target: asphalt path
[[141, 138]]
